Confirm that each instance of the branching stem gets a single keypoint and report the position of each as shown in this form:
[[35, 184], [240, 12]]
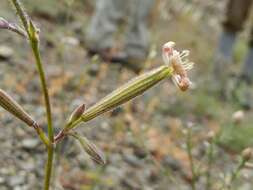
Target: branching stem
[[34, 43]]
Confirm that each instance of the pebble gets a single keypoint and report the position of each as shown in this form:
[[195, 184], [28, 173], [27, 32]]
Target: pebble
[[130, 184], [6, 52], [2, 180], [246, 186], [93, 69], [70, 41], [132, 160], [30, 143], [168, 161], [16, 180]]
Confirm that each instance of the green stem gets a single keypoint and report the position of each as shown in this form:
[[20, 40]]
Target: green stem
[[22, 14], [34, 42], [189, 152], [237, 170], [209, 166], [34, 45], [49, 167]]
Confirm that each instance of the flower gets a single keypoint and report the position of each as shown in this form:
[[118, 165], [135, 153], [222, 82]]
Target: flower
[[177, 60]]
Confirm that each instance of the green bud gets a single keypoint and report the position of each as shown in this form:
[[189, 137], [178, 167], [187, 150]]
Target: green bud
[[210, 136], [90, 148], [10, 105], [247, 154], [76, 114]]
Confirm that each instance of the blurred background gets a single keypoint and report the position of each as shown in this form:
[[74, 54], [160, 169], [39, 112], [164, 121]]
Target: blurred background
[[90, 48]]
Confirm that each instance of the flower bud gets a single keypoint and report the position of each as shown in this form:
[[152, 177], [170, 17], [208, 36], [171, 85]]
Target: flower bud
[[76, 114], [176, 66], [10, 105], [210, 136], [4, 24], [90, 148], [238, 116], [247, 154]]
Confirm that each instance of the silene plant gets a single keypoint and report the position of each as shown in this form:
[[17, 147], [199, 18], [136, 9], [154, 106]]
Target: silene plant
[[176, 67]]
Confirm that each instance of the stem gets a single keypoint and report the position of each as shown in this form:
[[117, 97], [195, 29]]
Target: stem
[[35, 47], [49, 167], [34, 43], [236, 172], [209, 165], [189, 152], [21, 13], [43, 136]]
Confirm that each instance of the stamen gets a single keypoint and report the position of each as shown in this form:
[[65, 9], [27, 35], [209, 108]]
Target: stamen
[[176, 80], [184, 53], [188, 66]]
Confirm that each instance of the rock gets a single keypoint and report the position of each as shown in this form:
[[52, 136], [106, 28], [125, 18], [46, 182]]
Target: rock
[[130, 184], [170, 162], [70, 41], [2, 180], [18, 188], [115, 172], [16, 180], [30, 143], [132, 160], [28, 165], [153, 175], [6, 52], [140, 152], [246, 186], [93, 69]]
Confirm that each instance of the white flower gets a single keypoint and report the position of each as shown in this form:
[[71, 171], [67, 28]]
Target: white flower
[[177, 60]]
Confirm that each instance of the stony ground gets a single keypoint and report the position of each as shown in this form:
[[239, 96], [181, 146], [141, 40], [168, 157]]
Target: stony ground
[[144, 140]]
